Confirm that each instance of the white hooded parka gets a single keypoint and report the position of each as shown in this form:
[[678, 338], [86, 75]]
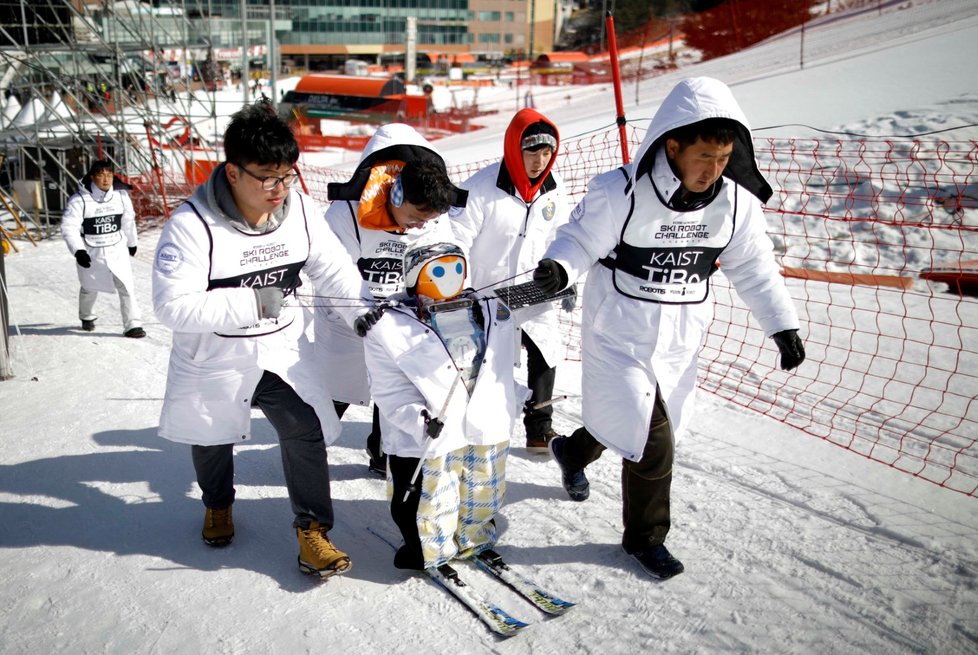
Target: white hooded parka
[[378, 255], [505, 236], [411, 369], [212, 376], [631, 345]]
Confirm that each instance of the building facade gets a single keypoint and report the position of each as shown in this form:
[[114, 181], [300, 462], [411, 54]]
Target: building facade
[[321, 33]]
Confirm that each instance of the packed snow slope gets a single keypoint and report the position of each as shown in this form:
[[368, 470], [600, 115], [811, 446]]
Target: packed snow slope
[[791, 545]]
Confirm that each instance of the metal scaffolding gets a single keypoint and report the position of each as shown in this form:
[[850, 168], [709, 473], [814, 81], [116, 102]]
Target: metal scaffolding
[[87, 80]]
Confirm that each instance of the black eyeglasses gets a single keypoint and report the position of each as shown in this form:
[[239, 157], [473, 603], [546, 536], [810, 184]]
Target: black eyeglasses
[[269, 182]]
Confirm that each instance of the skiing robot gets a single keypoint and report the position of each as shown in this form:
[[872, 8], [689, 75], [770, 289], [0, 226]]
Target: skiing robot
[[439, 360]]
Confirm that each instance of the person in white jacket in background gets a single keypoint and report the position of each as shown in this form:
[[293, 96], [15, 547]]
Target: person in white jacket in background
[[441, 372], [397, 195], [649, 236], [512, 213], [99, 228], [227, 266]]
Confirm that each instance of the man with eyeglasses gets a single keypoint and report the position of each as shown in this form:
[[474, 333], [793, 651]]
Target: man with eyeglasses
[[99, 228], [396, 197], [227, 267]]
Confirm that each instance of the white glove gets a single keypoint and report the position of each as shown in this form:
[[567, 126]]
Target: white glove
[[270, 301]]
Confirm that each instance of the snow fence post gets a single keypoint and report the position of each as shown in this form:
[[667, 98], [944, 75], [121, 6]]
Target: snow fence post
[[616, 82]]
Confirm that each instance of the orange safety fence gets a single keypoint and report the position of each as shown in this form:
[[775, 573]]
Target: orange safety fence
[[892, 368]]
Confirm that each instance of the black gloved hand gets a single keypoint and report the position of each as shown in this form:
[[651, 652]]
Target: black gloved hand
[[432, 424], [791, 348], [270, 300], [569, 303], [83, 258], [550, 276], [132, 251], [477, 313], [367, 320]]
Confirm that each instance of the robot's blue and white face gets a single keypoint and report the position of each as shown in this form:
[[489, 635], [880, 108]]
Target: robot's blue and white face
[[442, 278]]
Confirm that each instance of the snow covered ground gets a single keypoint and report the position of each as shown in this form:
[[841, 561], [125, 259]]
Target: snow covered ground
[[791, 544]]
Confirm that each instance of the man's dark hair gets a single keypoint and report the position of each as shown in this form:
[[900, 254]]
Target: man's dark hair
[[100, 165], [712, 130], [256, 135], [426, 185]]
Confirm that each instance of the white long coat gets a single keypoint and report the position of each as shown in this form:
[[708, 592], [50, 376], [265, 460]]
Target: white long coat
[[106, 260], [411, 369], [211, 378], [338, 347], [504, 236], [630, 346]]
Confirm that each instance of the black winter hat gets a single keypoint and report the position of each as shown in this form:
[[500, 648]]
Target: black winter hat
[[535, 136]]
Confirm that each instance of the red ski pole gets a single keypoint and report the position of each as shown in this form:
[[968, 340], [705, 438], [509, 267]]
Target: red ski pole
[[616, 79]]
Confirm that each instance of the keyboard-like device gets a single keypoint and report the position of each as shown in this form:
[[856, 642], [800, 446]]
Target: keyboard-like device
[[528, 293]]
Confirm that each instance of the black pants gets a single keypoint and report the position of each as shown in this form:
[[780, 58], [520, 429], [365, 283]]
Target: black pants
[[540, 379], [303, 451], [645, 484], [405, 512], [374, 444]]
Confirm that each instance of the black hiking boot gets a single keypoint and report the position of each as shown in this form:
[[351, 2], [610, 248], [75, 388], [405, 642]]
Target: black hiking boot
[[574, 481], [658, 562], [377, 464]]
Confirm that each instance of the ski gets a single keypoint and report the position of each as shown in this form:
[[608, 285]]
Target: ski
[[491, 562], [496, 618], [488, 612]]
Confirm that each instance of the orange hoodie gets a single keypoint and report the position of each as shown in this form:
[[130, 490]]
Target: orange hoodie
[[372, 212], [513, 154]]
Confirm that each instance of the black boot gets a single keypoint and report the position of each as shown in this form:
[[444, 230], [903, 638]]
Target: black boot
[[658, 562], [575, 482]]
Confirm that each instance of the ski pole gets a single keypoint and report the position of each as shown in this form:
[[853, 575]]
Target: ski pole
[[548, 403], [430, 440]]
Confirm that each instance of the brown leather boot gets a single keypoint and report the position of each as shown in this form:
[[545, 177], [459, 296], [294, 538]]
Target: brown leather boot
[[318, 555], [538, 443], [218, 527]]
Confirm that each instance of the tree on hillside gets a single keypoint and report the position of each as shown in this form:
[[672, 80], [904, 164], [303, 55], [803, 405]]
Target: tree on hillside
[[717, 29], [584, 29]]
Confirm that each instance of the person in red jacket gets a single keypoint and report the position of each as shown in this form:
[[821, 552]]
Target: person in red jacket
[[512, 214]]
